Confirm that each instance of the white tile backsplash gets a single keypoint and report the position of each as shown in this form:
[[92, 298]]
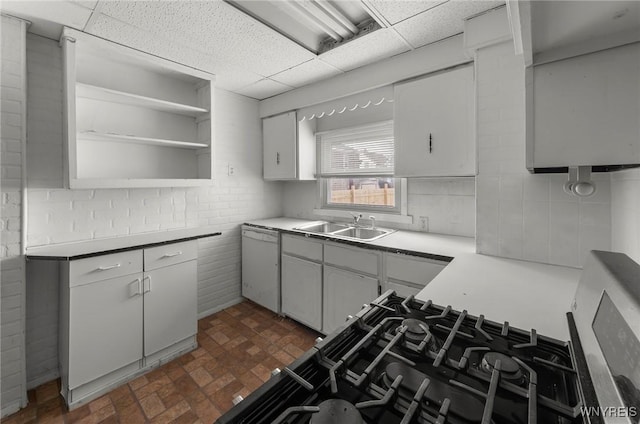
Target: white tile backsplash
[[522, 215], [625, 216]]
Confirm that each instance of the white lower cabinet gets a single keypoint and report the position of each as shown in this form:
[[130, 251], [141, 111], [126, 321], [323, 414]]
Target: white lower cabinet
[[302, 291], [100, 340], [407, 275], [123, 313], [170, 306], [344, 294]]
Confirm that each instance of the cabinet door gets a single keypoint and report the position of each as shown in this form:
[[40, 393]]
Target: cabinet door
[[302, 291], [433, 125], [586, 109], [170, 305], [279, 134], [105, 327], [344, 294]]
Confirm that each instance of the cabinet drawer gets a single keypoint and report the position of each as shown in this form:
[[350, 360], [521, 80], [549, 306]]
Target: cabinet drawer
[[302, 246], [169, 254], [102, 267], [357, 259], [413, 270]]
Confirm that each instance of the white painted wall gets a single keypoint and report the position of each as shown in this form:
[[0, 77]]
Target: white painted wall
[[58, 215], [13, 83], [448, 204], [625, 213], [519, 215]]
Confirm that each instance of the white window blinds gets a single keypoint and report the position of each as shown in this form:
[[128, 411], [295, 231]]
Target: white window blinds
[[362, 150]]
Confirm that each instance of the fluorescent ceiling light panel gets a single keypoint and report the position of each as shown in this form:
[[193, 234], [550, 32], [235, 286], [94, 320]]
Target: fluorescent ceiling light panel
[[317, 25]]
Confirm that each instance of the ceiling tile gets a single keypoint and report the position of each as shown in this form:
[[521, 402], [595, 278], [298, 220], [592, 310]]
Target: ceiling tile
[[370, 48], [226, 34], [442, 21], [396, 11], [263, 89], [306, 73], [228, 77]]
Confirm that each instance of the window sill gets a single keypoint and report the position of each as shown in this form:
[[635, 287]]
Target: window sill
[[380, 217]]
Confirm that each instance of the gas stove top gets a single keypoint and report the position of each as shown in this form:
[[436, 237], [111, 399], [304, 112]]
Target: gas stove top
[[401, 360]]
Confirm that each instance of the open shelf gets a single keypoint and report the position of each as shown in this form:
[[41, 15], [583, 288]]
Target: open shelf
[[133, 119], [90, 91], [94, 135]]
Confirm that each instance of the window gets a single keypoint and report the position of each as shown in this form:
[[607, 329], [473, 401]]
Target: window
[[356, 168]]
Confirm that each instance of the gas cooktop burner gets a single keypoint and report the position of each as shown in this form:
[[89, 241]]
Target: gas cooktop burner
[[416, 330], [509, 368], [336, 411]]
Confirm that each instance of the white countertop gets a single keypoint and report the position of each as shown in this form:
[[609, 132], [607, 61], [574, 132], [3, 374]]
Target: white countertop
[[104, 245], [527, 294], [435, 244]]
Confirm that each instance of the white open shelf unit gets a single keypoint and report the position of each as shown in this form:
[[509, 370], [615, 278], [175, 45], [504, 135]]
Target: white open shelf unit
[[132, 119]]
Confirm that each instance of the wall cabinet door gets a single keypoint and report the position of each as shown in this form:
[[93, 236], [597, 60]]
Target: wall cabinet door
[[280, 134], [170, 305], [584, 110], [302, 291], [433, 125], [289, 148], [105, 325], [344, 294]]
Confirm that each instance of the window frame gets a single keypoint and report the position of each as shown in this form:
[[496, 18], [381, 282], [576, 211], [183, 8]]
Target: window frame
[[400, 191]]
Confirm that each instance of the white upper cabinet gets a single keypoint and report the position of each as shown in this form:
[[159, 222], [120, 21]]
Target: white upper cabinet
[[434, 125], [585, 110], [133, 120], [288, 148]]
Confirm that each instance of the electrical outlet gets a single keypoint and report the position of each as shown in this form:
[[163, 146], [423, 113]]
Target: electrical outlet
[[230, 170], [424, 223]]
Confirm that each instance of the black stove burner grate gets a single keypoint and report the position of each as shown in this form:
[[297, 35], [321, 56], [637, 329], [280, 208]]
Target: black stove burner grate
[[405, 361]]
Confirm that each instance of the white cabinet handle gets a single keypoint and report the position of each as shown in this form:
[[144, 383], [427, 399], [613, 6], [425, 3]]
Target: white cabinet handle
[[105, 268], [135, 288], [146, 284], [171, 255]]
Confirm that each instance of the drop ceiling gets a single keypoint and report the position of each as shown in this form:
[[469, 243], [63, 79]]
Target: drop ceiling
[[247, 56], [252, 59]]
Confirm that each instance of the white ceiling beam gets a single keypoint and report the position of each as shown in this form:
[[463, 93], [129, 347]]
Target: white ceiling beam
[[519, 15]]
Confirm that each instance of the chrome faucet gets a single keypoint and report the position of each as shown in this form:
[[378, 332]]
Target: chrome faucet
[[356, 218], [373, 222]]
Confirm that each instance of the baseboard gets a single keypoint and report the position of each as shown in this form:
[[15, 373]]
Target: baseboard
[[12, 408], [219, 308], [51, 375]]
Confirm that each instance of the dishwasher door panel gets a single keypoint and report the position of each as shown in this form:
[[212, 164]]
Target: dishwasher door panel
[[260, 272]]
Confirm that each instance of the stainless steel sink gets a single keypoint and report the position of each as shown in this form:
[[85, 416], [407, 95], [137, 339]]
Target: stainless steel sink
[[345, 231], [363, 233], [325, 227]]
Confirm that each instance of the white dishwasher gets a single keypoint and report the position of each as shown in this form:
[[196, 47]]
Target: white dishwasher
[[261, 266]]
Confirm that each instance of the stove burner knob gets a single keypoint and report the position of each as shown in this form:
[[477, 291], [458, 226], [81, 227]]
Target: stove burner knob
[[349, 317], [275, 372], [237, 400], [318, 340], [364, 306]]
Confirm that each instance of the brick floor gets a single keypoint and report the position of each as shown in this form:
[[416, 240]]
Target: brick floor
[[237, 349]]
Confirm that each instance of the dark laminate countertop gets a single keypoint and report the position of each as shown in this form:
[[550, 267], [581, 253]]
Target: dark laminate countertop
[[96, 247]]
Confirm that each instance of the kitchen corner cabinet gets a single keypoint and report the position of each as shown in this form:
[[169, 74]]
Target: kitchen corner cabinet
[[123, 313], [408, 275], [132, 119], [289, 148], [434, 125]]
